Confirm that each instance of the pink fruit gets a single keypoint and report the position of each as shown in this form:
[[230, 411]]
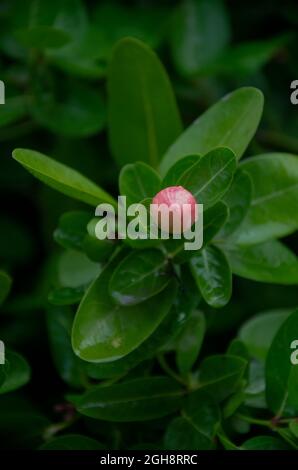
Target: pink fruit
[[180, 204]]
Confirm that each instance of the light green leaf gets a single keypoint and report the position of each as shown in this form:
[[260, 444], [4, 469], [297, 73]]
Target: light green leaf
[[142, 107], [138, 181], [266, 262], [62, 178], [104, 331], [212, 274], [210, 177], [136, 400], [272, 213], [178, 169], [230, 123]]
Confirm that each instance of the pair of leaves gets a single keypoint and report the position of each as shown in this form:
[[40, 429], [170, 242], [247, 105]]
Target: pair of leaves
[[104, 331]]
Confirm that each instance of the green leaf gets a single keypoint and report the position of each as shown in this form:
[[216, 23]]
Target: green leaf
[[210, 177], [66, 295], [62, 178], [193, 42], [79, 113], [266, 262], [42, 37], [139, 276], [214, 219], [196, 429], [138, 181], [5, 285], [16, 370], [190, 342], [104, 331], [72, 442], [98, 250], [293, 426], [76, 270], [272, 213], [69, 367], [265, 443], [142, 107], [258, 332], [14, 109], [136, 400], [212, 274], [178, 169], [231, 123], [238, 200], [220, 375], [72, 229], [281, 373]]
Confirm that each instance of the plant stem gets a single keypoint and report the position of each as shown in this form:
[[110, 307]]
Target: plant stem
[[165, 366]]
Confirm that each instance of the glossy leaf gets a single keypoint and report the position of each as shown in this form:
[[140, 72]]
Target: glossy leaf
[[266, 262], [71, 229], [221, 375], [104, 331], [231, 122], [142, 107], [193, 41], [76, 270], [136, 400], [258, 332], [5, 285], [62, 178], [16, 370], [72, 442], [281, 372], [212, 274], [238, 200], [214, 220], [272, 212], [178, 169], [197, 427], [210, 177], [138, 181], [190, 342], [141, 275]]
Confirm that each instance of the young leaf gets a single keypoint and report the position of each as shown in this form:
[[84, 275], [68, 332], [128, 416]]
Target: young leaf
[[142, 107], [272, 213], [193, 41], [72, 442], [141, 275], [190, 342], [258, 332], [71, 229], [136, 400], [266, 262], [104, 331], [238, 200], [231, 123], [210, 177], [62, 178], [5, 285], [16, 370], [196, 429], [281, 372], [220, 375], [138, 181], [178, 169], [212, 274]]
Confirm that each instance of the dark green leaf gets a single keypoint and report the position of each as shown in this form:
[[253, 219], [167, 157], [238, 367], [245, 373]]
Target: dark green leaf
[[178, 169], [5, 285], [72, 442], [214, 220], [142, 107], [212, 274], [72, 229], [16, 371], [190, 342], [76, 270], [265, 443], [66, 295], [138, 181], [266, 262], [14, 110], [231, 122], [141, 275], [281, 373], [136, 400], [210, 177], [62, 178], [104, 331], [42, 37]]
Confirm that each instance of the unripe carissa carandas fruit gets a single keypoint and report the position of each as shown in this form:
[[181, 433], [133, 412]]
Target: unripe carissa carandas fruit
[[174, 209]]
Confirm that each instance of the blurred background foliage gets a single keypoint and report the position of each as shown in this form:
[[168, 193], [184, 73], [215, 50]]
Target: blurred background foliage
[[53, 61]]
